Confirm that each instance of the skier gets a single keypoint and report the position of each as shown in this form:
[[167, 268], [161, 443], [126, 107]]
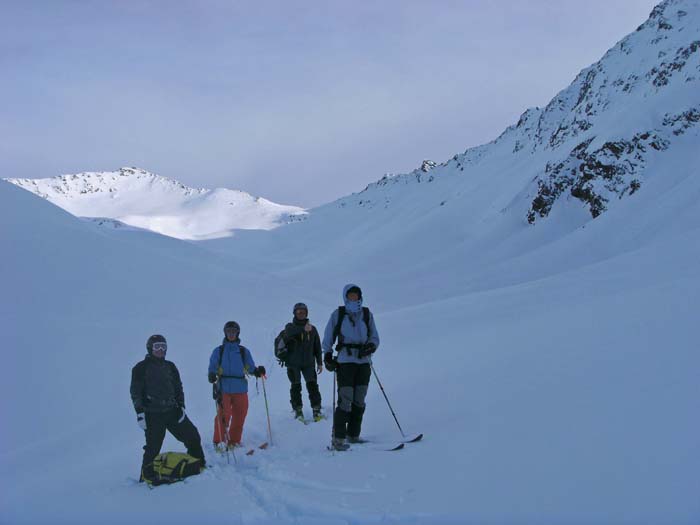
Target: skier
[[159, 401], [303, 346], [358, 339], [228, 366]]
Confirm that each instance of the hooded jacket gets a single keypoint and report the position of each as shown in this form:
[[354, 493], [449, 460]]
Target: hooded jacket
[[353, 330]]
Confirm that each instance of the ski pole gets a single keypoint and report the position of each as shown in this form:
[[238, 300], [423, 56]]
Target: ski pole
[[333, 420], [267, 411], [228, 434], [385, 397], [220, 419]]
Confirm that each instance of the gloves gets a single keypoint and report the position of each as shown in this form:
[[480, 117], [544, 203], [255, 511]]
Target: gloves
[[212, 377], [259, 371], [330, 362], [182, 416], [141, 421], [368, 349]]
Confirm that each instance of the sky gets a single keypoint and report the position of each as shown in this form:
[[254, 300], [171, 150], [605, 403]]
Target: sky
[[298, 102]]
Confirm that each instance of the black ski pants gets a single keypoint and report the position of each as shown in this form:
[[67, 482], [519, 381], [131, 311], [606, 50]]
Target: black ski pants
[[353, 381], [185, 432], [294, 374]]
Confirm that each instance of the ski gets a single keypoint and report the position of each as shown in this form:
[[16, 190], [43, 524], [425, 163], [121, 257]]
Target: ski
[[262, 446], [399, 446], [414, 439]]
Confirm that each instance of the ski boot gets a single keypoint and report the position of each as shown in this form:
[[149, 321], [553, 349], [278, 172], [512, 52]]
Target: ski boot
[[356, 440], [299, 414], [339, 444], [222, 447], [148, 475], [318, 416]]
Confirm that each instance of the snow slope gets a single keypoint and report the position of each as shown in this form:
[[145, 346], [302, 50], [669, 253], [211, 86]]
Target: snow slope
[[144, 200], [552, 367], [617, 133], [566, 398]]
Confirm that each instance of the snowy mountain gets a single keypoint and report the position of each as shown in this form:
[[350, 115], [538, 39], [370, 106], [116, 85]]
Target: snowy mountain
[[590, 147], [552, 366], [626, 129], [141, 199]]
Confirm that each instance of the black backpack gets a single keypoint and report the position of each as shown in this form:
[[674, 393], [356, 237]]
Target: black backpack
[[281, 350], [341, 316]]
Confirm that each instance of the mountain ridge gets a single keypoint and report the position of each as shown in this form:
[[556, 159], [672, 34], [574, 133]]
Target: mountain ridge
[[142, 199], [590, 144]]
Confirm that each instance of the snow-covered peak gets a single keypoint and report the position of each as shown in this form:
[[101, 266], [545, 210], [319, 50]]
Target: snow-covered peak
[[79, 185], [142, 199], [592, 143]]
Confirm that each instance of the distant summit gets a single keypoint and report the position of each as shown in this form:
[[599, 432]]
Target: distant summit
[[141, 199]]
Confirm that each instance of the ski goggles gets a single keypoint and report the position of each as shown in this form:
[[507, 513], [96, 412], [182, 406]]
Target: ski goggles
[[160, 347]]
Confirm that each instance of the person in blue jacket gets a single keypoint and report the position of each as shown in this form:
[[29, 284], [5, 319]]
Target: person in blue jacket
[[229, 365], [353, 326]]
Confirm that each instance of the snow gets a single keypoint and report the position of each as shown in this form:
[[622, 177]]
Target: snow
[[552, 367], [141, 199]]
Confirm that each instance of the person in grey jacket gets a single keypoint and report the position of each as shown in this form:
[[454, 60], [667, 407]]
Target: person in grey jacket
[[353, 326]]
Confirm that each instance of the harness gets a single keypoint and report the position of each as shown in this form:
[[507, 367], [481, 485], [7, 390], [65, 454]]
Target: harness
[[338, 334], [219, 370]]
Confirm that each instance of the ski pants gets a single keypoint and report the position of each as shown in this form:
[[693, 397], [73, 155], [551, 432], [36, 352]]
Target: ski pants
[[294, 374], [156, 425], [230, 418], [353, 381]]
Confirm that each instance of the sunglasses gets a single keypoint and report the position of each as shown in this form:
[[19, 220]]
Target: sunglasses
[[160, 347]]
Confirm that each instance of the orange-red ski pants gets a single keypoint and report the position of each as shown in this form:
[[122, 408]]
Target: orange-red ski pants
[[230, 416]]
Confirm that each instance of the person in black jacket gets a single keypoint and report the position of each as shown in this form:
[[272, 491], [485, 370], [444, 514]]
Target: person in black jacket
[[159, 401], [303, 352]]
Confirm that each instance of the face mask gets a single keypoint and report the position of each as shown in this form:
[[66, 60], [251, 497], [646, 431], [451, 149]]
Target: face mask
[[353, 306]]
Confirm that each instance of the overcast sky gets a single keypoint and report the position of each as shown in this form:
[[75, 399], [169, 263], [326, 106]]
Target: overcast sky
[[299, 102]]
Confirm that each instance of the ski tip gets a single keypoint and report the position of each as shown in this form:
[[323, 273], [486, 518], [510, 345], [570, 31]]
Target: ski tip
[[397, 447], [250, 452], [263, 446], [417, 438]]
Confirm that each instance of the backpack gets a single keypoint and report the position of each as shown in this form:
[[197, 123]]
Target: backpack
[[341, 316], [170, 467], [281, 351]]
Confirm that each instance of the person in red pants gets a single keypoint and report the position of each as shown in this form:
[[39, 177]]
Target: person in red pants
[[229, 365]]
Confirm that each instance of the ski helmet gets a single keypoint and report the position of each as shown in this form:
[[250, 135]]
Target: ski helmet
[[156, 338], [232, 326], [300, 306]]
